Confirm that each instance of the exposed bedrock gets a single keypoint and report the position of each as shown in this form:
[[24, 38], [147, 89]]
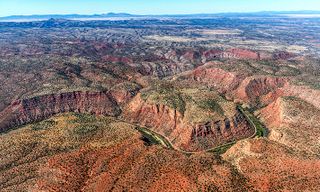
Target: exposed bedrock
[[293, 122], [220, 79], [303, 92], [182, 133], [164, 69], [172, 62], [252, 88], [230, 54], [238, 87], [24, 111]]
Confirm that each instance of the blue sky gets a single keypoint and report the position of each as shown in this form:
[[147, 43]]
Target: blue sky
[[28, 7]]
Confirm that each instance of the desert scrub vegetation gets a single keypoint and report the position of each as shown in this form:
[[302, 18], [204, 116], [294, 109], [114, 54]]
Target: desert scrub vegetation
[[128, 86], [197, 105], [32, 145], [211, 105], [222, 149], [203, 104], [43, 125], [165, 93], [84, 130], [261, 130], [83, 118], [152, 138]]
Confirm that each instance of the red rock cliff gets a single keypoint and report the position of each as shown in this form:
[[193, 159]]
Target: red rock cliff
[[37, 108], [183, 134], [252, 88]]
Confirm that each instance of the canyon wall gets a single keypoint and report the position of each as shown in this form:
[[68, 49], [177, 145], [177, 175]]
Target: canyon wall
[[183, 134], [217, 132], [293, 122], [25, 111], [230, 54], [220, 79], [252, 88], [239, 88]]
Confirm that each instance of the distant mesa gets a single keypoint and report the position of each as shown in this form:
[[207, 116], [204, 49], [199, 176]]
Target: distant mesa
[[122, 15]]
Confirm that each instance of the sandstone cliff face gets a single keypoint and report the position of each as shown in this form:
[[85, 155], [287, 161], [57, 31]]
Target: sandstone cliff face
[[282, 55], [122, 96], [162, 119], [302, 92], [230, 54], [273, 114], [252, 88], [218, 78], [241, 54], [210, 134], [293, 122], [182, 133], [38, 108]]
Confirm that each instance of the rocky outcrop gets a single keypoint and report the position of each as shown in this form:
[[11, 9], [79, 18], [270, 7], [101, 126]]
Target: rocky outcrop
[[273, 114], [189, 56], [238, 87], [220, 79], [182, 133], [303, 92], [252, 88], [124, 92], [161, 118], [38, 108], [230, 54], [224, 128], [240, 54], [293, 122], [210, 134], [164, 69], [282, 55]]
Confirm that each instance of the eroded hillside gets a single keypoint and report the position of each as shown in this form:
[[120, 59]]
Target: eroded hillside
[[219, 104]]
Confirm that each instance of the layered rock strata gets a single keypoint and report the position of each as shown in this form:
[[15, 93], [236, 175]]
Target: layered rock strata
[[24, 111], [293, 122], [183, 134]]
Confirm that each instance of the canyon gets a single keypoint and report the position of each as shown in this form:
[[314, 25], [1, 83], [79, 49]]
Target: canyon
[[34, 109], [182, 132], [160, 104]]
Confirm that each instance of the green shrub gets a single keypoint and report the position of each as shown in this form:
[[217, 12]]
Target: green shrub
[[83, 118], [211, 105], [83, 130], [165, 93], [43, 125]]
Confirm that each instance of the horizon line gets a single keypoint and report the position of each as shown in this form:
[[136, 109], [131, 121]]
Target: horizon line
[[167, 14]]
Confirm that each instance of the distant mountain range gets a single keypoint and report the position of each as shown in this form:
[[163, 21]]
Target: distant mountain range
[[68, 16], [127, 15]]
